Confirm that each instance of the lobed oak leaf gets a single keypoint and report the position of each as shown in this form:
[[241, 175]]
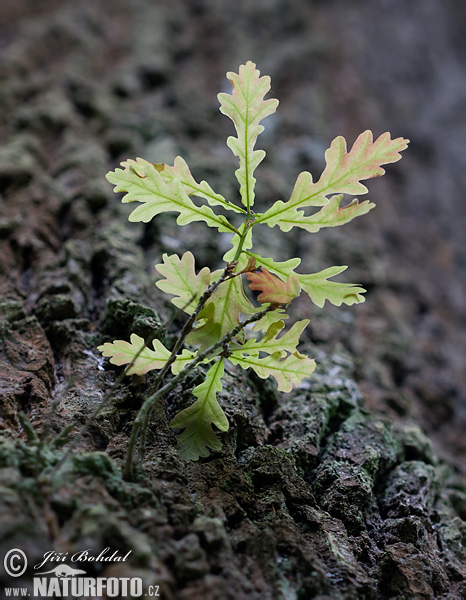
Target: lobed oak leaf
[[143, 183], [180, 279], [246, 107], [345, 170], [181, 171], [121, 352], [331, 215], [343, 174], [287, 372], [197, 420], [271, 344], [274, 290], [320, 289]]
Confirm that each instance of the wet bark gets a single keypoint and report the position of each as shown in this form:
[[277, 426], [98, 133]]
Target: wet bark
[[351, 486]]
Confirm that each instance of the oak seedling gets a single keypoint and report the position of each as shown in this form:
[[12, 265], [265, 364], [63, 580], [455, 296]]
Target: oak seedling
[[217, 307]]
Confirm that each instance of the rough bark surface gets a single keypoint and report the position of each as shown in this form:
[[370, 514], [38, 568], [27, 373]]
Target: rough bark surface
[[351, 486]]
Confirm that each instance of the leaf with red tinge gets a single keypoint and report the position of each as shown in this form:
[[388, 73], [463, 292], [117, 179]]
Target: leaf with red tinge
[[274, 290], [343, 174], [345, 170]]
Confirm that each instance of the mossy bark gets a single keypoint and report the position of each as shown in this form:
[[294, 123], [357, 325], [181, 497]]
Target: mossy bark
[[331, 491]]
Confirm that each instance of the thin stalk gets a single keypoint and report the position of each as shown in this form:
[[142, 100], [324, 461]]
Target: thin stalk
[[187, 328], [247, 226], [149, 402], [227, 274]]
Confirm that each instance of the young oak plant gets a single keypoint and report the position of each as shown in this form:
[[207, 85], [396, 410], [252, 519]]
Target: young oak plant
[[217, 306]]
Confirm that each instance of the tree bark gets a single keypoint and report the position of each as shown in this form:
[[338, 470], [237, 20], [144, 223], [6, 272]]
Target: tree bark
[[351, 486]]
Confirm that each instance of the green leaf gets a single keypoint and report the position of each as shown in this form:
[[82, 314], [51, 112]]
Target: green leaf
[[246, 107], [274, 290], [330, 215], [183, 359], [180, 171], [284, 363], [221, 313], [342, 175], [270, 344], [235, 241], [283, 269], [320, 289], [197, 419], [181, 280], [143, 183], [287, 371], [269, 318], [345, 170], [208, 331], [121, 352]]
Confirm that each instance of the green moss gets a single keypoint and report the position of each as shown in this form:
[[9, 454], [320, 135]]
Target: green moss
[[123, 317], [11, 310]]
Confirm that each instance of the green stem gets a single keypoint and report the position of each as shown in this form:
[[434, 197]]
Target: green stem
[[188, 326], [249, 223], [227, 273], [148, 403]]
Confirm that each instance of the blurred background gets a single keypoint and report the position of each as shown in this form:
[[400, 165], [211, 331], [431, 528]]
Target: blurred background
[[86, 84]]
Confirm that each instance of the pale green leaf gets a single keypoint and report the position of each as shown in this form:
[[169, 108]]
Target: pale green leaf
[[121, 352], [331, 215], [345, 170], [269, 318], [181, 280], [222, 313], [197, 420], [181, 171], [143, 183], [320, 289], [343, 174], [246, 107], [182, 360], [287, 372], [270, 344], [284, 270]]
